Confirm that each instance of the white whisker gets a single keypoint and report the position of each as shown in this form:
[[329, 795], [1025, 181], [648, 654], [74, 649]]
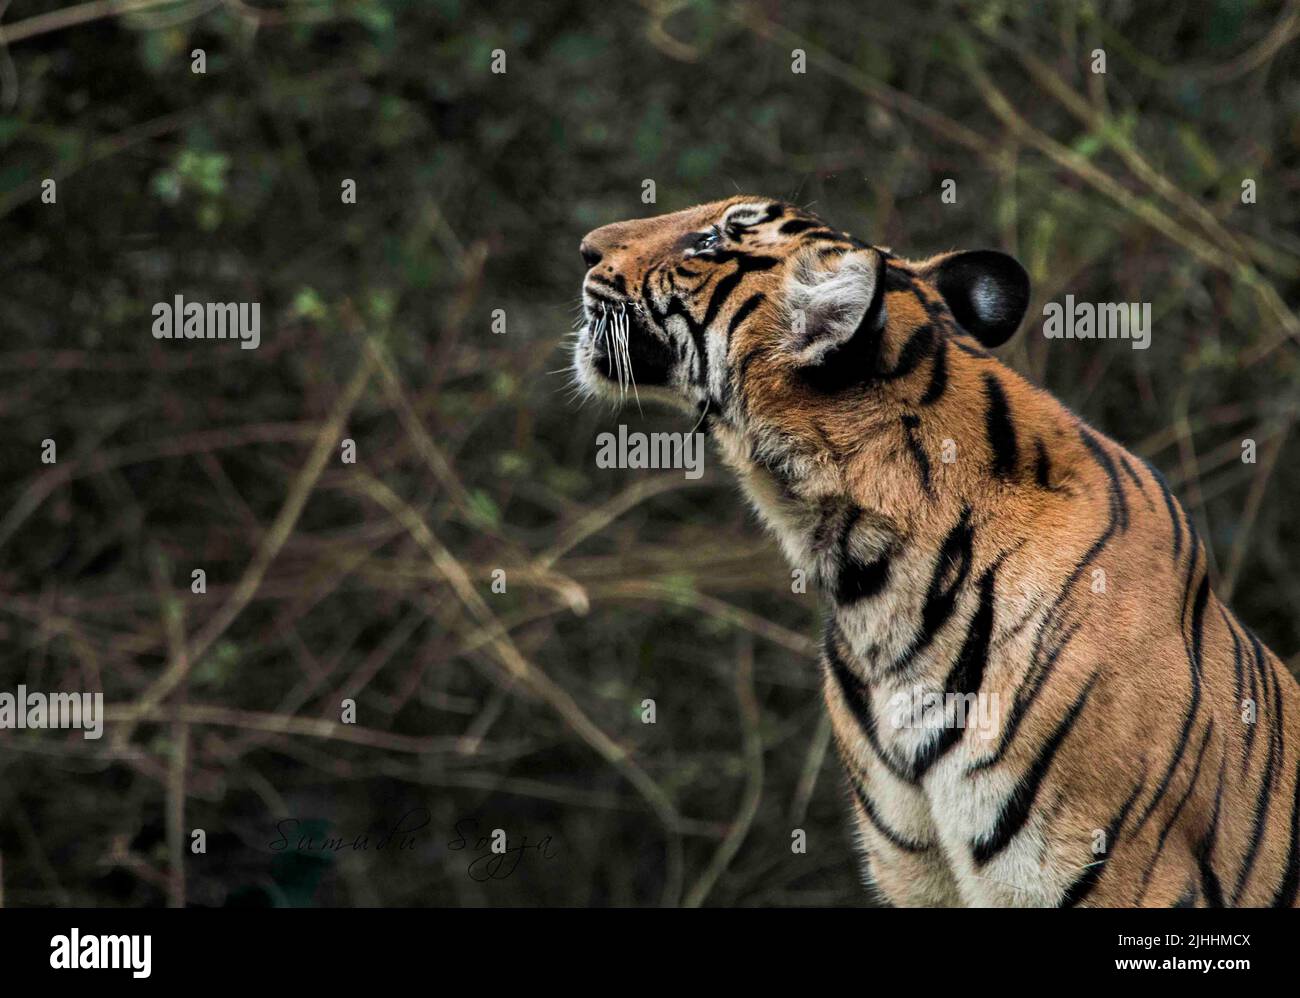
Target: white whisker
[[623, 359], [707, 400]]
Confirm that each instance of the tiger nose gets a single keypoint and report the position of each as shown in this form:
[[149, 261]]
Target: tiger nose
[[590, 255]]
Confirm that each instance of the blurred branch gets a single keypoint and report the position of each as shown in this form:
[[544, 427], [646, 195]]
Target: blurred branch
[[534, 679], [713, 606], [173, 623], [657, 31], [327, 441], [1192, 473], [750, 717], [100, 149], [1148, 212], [812, 767], [938, 122], [69, 17], [281, 724], [1283, 32], [595, 520], [98, 10], [1254, 498], [1105, 128]]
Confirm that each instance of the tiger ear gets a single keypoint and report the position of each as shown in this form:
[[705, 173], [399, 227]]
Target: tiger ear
[[831, 300], [986, 291]]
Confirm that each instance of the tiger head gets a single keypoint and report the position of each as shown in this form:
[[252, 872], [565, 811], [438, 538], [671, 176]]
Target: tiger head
[[778, 327]]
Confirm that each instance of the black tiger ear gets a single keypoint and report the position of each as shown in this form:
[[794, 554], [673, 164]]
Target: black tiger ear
[[986, 291], [831, 300]]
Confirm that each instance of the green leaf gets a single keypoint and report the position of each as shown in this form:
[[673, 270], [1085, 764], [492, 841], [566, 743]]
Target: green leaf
[[484, 509], [307, 304], [166, 186]]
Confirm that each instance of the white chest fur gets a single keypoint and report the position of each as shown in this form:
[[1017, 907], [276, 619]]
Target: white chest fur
[[952, 803]]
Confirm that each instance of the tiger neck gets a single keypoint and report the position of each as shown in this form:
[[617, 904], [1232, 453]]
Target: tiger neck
[[849, 552], [893, 577]]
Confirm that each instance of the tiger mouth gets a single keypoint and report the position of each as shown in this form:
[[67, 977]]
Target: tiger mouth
[[624, 349]]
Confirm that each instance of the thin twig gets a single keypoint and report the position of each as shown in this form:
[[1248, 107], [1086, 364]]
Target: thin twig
[[750, 719]]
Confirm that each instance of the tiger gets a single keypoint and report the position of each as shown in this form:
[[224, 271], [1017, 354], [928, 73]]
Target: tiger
[[1036, 696]]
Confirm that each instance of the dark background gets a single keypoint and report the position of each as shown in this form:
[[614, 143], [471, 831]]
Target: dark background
[[371, 580]]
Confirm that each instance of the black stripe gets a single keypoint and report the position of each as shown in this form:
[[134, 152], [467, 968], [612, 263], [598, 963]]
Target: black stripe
[[1016, 808], [1285, 896], [1237, 679], [1188, 898], [897, 279], [1128, 470], [1053, 634], [858, 698], [910, 423], [796, 225], [1189, 717], [1256, 694], [1118, 500], [999, 428], [938, 375], [1082, 887], [1023, 701], [918, 347], [894, 838], [1265, 670], [742, 370], [832, 514], [939, 313], [745, 264], [721, 292], [1262, 799], [1042, 465], [941, 595], [974, 351], [824, 233], [1254, 697], [859, 580], [967, 675], [940, 599], [1182, 801], [1210, 886], [742, 313], [619, 283], [1171, 506], [1193, 539]]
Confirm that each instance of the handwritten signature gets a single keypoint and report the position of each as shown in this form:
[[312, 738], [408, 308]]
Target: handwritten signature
[[402, 835], [496, 854], [499, 857]]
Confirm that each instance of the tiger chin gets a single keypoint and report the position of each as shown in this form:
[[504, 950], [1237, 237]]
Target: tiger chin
[[1037, 698]]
